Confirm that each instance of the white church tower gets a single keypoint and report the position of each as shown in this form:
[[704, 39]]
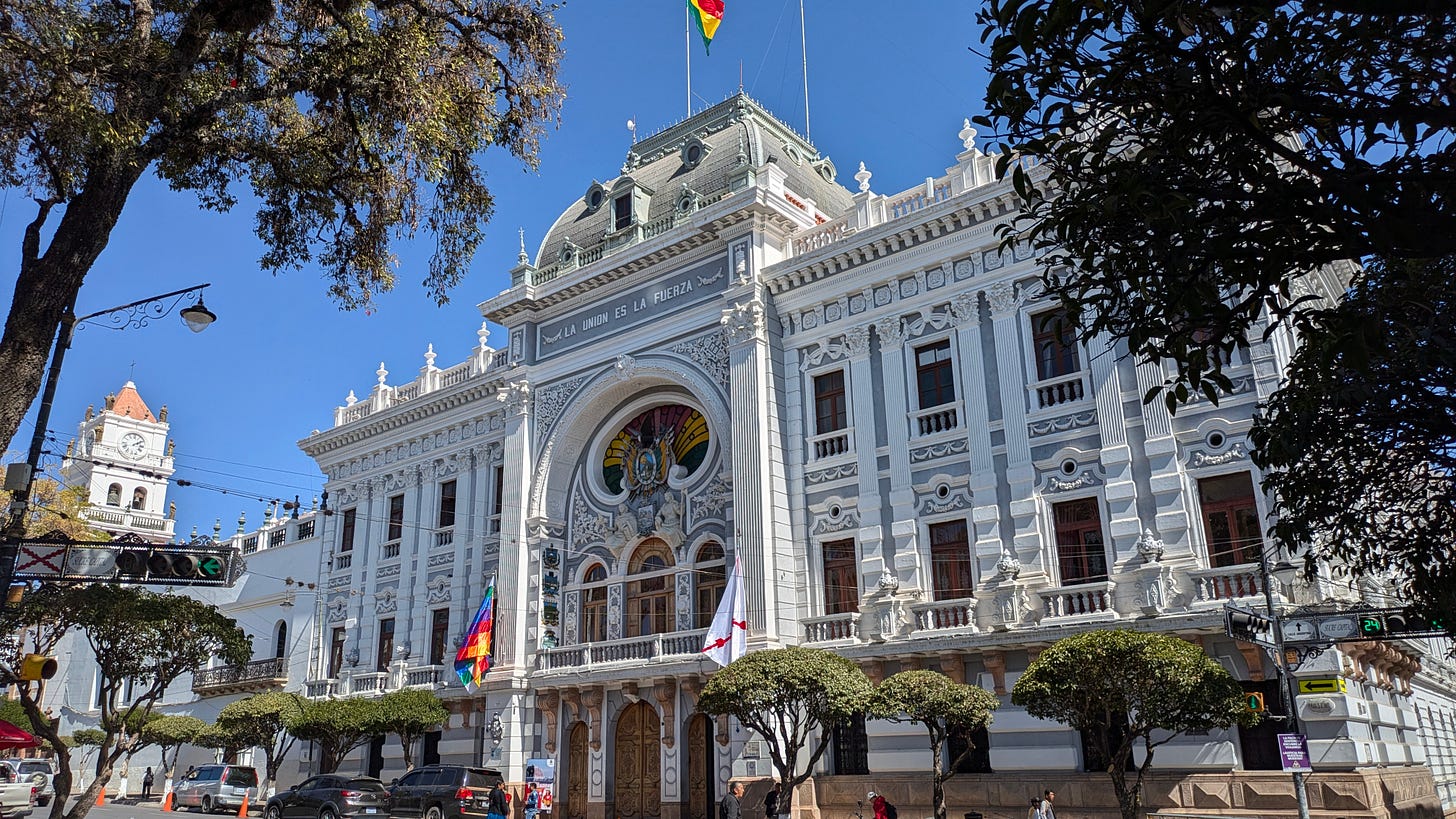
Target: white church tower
[[124, 458]]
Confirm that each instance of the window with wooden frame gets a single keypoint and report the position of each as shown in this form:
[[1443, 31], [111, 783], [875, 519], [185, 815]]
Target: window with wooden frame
[[446, 517], [336, 653], [386, 644], [841, 577], [1081, 555], [395, 530], [934, 374], [1054, 340], [594, 605], [831, 412], [439, 635], [622, 212], [649, 596], [346, 531], [712, 579], [950, 560], [1230, 520]]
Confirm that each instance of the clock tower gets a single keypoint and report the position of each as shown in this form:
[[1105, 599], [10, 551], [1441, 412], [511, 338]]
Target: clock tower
[[123, 457]]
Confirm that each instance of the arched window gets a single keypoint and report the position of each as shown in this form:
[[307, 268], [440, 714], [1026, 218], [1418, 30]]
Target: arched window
[[594, 605], [280, 645], [649, 597], [712, 580], [139, 498], [113, 495]]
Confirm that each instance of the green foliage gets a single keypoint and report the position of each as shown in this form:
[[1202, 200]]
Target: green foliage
[[788, 695], [1130, 684], [87, 737], [338, 726], [944, 707], [410, 713], [14, 713], [1357, 449], [171, 730], [1197, 172], [56, 509], [263, 721]]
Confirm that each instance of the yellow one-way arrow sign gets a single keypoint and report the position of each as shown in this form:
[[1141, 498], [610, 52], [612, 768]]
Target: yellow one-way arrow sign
[[1326, 685]]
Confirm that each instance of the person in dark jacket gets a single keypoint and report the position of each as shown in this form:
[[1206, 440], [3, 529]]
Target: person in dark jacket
[[771, 800], [496, 805], [731, 807]]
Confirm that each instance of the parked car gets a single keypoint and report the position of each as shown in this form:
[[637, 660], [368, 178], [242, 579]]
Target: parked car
[[442, 792], [17, 797], [216, 788], [331, 796], [38, 772]]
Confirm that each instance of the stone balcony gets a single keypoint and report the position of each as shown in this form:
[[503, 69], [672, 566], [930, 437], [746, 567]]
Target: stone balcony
[[118, 519], [376, 683], [654, 648], [253, 677]]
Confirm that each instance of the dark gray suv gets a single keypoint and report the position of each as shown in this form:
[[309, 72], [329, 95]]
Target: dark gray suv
[[442, 792]]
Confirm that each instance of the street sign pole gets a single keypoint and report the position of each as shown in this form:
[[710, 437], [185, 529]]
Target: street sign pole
[[1281, 663]]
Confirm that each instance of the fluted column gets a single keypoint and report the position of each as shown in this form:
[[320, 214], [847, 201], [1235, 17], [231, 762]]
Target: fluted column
[[413, 609], [1120, 492], [754, 517], [900, 550], [985, 511], [865, 398], [1172, 522], [511, 571], [1006, 300]]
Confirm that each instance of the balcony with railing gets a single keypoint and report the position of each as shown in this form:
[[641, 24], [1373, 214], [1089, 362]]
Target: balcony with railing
[[389, 551], [343, 561], [130, 520], [1091, 601], [929, 422], [444, 538], [373, 682], [321, 689], [1059, 391], [945, 615], [424, 676], [832, 628], [654, 648], [1214, 587], [832, 444], [259, 675], [431, 379]]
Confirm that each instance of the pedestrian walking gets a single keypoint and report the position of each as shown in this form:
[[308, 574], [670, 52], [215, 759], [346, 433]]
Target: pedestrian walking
[[147, 781], [731, 807], [533, 802], [882, 806], [496, 806], [1047, 797], [771, 801]]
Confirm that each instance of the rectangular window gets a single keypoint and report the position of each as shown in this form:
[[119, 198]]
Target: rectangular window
[[336, 653], [386, 644], [594, 614], [346, 531], [841, 577], [275, 537], [250, 544], [447, 504], [396, 518], [830, 411], [305, 530], [622, 212], [500, 491], [1080, 553], [934, 374], [1230, 520], [439, 635], [1055, 341], [950, 560]]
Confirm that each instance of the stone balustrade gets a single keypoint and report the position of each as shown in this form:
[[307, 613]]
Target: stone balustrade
[[832, 628]]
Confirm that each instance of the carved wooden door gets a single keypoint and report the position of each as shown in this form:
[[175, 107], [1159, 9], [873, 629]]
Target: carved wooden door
[[576, 772], [638, 792], [700, 768]]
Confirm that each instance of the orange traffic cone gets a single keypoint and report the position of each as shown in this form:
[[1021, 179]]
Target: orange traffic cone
[[167, 802], [243, 808], [101, 796]]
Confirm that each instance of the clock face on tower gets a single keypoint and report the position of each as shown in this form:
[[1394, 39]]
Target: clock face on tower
[[133, 446]]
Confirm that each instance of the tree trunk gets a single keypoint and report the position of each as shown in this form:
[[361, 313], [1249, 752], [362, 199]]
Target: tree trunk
[[48, 282], [88, 797], [937, 775], [407, 744]]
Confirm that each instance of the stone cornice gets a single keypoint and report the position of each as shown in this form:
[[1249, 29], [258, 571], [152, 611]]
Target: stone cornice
[[481, 389]]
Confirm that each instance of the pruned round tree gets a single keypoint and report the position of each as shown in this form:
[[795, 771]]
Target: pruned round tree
[[262, 721], [338, 727], [353, 123], [169, 732], [946, 708], [1120, 688], [409, 714], [793, 698]]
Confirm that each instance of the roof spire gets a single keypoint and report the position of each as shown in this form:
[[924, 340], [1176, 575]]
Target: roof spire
[[522, 256]]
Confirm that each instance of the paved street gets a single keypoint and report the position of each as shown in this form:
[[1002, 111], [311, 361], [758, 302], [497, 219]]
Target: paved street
[[152, 810]]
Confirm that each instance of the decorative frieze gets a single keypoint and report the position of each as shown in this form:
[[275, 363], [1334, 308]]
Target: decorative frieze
[[1200, 458], [552, 399], [709, 351], [956, 446], [1063, 423], [438, 589]]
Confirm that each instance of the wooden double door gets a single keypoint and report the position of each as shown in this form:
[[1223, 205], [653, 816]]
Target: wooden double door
[[638, 753]]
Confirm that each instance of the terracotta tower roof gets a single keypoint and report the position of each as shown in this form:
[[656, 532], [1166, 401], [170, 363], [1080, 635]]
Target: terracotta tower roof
[[129, 403]]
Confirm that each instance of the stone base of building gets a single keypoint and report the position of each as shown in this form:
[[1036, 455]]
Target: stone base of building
[[1372, 793]]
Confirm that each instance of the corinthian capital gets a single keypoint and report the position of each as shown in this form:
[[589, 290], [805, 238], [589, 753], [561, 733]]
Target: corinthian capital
[[516, 396], [891, 331], [857, 341], [744, 321]]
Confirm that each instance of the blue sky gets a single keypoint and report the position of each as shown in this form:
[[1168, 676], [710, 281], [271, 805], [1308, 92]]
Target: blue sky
[[889, 84]]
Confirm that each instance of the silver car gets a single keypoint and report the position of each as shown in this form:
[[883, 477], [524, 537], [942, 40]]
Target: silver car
[[37, 772], [217, 788]]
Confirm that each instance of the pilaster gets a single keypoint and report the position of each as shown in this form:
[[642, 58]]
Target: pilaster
[[1006, 300], [985, 511], [1120, 491], [865, 402], [900, 551], [511, 572]]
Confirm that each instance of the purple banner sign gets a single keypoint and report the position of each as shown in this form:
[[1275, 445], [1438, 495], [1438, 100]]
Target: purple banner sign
[[1293, 752]]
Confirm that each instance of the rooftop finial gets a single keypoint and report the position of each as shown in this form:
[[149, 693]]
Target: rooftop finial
[[430, 356], [967, 135], [484, 334], [350, 399], [242, 522], [382, 373], [863, 178], [522, 256]]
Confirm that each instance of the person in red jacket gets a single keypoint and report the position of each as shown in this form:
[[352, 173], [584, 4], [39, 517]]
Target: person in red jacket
[[878, 803]]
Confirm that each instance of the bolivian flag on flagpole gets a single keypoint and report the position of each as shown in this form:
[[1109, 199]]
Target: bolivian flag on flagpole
[[473, 658], [707, 14]]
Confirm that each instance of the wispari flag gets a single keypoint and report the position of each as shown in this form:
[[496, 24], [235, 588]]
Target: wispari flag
[[473, 658], [707, 14], [727, 639]]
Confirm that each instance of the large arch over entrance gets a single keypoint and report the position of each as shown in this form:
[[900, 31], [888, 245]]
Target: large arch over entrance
[[638, 780]]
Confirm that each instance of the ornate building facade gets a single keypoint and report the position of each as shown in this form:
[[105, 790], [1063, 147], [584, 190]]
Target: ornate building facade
[[123, 457], [723, 351]]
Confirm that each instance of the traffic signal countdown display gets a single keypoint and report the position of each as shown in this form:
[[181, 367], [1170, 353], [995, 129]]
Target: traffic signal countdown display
[[1396, 623]]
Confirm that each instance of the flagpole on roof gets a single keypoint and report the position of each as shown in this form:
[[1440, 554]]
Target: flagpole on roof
[[688, 50], [804, 47]]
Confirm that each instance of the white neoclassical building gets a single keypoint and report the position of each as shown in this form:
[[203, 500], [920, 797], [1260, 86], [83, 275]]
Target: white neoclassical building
[[722, 350]]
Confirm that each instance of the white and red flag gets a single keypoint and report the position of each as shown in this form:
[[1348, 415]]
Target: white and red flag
[[727, 639]]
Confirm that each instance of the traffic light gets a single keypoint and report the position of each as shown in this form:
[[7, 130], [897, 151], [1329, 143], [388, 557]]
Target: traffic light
[[37, 667], [1249, 626], [1372, 625], [1399, 623], [177, 566], [1254, 701]]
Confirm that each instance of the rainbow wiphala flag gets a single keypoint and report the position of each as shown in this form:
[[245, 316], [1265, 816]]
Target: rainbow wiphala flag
[[707, 14], [473, 658]]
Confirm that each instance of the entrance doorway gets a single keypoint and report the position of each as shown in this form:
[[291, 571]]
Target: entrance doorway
[[576, 772], [700, 768], [638, 793]]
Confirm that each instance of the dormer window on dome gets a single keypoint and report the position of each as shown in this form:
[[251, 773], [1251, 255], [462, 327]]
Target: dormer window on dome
[[595, 196], [629, 205], [693, 151]]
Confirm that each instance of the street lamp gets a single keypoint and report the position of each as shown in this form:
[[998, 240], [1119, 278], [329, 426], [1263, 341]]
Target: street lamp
[[21, 477], [1285, 573]]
